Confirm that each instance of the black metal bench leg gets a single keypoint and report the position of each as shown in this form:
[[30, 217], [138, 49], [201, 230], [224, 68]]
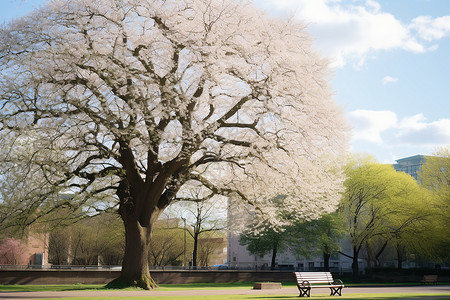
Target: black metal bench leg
[[304, 292], [335, 291]]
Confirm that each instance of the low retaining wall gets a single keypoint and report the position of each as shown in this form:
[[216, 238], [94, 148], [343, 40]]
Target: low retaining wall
[[267, 285], [43, 277]]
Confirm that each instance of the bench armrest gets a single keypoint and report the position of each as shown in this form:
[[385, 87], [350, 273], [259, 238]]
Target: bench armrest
[[338, 282], [304, 283]]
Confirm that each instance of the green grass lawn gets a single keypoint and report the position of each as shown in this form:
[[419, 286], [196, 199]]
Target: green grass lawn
[[162, 287], [273, 297]]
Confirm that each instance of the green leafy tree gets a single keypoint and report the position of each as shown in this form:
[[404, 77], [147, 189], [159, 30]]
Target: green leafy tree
[[379, 203], [99, 239], [261, 240], [435, 176], [317, 237], [261, 236], [410, 221], [168, 245], [112, 239]]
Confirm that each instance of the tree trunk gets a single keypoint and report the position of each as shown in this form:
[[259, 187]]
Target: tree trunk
[[195, 251], [399, 257], [355, 266], [141, 203], [377, 257], [138, 232], [370, 257], [135, 266], [326, 262], [274, 255]]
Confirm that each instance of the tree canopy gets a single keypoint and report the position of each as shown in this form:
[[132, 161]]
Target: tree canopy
[[317, 237], [435, 176], [380, 202], [262, 239], [123, 104]]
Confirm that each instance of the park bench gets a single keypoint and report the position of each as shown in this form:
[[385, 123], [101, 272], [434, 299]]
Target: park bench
[[429, 279], [308, 280]]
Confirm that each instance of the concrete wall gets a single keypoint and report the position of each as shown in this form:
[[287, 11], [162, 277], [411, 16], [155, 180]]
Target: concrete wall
[[42, 277]]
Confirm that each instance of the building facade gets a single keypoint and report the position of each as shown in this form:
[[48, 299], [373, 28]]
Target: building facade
[[240, 258], [411, 165]]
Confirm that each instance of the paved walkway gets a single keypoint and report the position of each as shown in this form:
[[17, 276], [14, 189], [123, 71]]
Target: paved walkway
[[284, 291]]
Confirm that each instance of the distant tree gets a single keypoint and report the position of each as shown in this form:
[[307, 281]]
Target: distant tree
[[99, 239], [168, 245], [13, 252], [204, 213], [262, 240], [435, 176], [85, 247], [374, 249], [262, 236], [58, 246], [126, 102], [379, 202], [112, 239], [208, 247], [317, 237], [435, 173], [410, 221]]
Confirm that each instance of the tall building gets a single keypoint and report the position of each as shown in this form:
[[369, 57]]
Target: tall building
[[411, 165]]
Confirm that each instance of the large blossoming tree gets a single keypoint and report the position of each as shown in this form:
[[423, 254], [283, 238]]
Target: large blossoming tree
[[127, 104]]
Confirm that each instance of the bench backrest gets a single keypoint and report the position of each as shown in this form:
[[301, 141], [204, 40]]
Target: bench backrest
[[314, 277], [430, 277]]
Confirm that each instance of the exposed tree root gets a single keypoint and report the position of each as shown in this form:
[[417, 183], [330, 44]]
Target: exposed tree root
[[145, 282]]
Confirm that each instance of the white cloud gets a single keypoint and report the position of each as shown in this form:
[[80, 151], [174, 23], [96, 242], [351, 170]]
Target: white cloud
[[369, 125], [350, 31], [384, 128], [416, 130], [389, 79], [430, 29]]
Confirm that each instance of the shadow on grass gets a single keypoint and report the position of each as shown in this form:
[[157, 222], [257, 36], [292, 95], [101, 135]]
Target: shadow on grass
[[51, 288], [98, 287]]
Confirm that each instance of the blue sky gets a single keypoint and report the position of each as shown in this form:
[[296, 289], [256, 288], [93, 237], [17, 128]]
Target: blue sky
[[391, 62]]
